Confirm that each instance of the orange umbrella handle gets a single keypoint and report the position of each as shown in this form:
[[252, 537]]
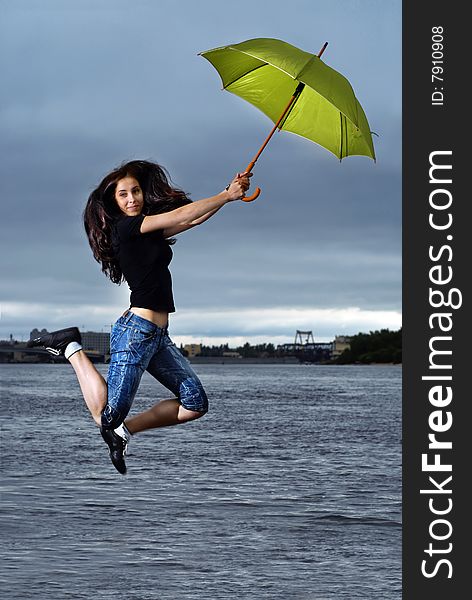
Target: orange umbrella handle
[[258, 189], [253, 197]]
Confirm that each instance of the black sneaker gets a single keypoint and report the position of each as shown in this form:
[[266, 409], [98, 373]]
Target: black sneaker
[[117, 446], [56, 341]]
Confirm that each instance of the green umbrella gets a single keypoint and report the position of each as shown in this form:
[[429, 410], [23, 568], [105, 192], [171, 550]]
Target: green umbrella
[[298, 92]]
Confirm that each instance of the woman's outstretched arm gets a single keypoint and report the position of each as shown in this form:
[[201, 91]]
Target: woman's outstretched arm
[[195, 213], [169, 232]]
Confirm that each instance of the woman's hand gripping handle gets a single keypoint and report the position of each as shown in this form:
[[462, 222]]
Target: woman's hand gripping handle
[[239, 186]]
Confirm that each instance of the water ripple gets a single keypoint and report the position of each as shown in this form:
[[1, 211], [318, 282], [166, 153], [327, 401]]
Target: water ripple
[[289, 501]]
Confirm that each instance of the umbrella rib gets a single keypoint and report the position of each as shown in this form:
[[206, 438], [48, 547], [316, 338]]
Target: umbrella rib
[[344, 145], [344, 151], [244, 75], [347, 137], [266, 63]]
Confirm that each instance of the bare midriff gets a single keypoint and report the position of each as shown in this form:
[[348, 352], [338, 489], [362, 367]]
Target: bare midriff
[[159, 318]]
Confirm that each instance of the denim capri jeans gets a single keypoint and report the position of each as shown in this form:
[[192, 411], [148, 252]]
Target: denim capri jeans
[[138, 345]]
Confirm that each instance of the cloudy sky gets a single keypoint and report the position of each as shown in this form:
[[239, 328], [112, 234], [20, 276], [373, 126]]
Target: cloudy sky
[[88, 84]]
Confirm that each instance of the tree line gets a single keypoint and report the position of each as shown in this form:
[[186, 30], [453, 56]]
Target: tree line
[[246, 351], [383, 346]]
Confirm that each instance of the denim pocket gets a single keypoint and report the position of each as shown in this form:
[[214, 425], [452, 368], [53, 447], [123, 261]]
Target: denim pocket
[[139, 336], [141, 345]]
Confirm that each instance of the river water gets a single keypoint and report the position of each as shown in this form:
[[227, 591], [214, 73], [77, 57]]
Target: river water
[[290, 488]]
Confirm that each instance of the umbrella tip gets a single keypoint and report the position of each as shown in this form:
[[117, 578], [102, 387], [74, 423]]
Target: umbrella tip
[[322, 49]]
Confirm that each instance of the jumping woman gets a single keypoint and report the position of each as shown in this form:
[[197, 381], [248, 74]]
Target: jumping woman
[[130, 220]]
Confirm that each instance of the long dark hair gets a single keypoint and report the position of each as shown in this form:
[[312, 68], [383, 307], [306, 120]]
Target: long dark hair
[[102, 211]]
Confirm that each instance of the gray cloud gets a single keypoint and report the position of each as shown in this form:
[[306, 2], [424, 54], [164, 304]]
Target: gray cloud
[[92, 85]]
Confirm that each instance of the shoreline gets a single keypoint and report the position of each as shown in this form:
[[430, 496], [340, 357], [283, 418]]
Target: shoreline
[[217, 360]]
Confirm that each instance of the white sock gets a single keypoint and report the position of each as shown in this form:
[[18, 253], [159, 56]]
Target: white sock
[[123, 432], [72, 348]]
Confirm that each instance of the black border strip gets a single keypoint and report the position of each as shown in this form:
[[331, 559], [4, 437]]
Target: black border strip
[[435, 246]]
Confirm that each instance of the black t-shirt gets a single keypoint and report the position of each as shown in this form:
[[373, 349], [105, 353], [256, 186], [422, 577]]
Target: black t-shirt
[[144, 259]]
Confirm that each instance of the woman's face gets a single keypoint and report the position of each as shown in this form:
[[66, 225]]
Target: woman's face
[[129, 196]]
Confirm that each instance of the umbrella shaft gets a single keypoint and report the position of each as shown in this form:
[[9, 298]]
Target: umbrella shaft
[[289, 106], [296, 93]]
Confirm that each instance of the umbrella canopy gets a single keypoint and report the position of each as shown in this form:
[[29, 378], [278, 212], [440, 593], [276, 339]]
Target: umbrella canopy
[[268, 72]]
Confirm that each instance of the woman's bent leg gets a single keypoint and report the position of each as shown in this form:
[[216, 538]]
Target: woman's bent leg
[[92, 384], [162, 414], [174, 371]]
